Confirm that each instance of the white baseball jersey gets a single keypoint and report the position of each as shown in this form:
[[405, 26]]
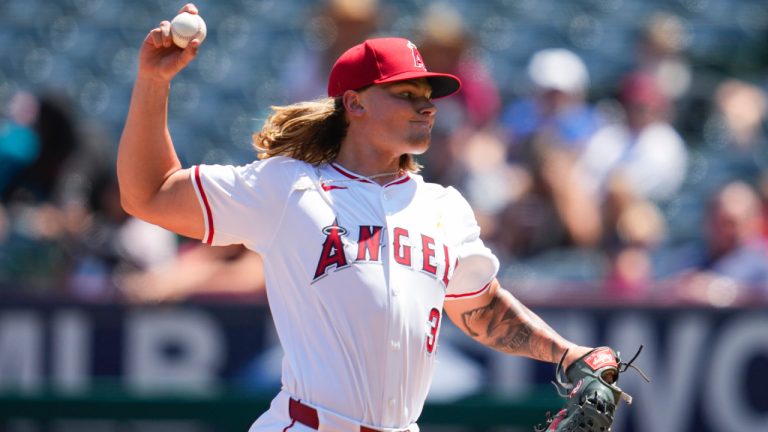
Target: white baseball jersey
[[356, 276]]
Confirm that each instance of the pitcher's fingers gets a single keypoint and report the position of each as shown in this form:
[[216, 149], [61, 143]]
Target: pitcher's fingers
[[189, 7], [190, 52], [156, 36], [165, 30]]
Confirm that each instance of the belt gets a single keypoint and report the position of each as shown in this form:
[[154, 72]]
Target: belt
[[307, 416]]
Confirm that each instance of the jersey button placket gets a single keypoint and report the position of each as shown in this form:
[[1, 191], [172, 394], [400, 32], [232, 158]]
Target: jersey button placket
[[387, 204], [393, 368], [386, 200]]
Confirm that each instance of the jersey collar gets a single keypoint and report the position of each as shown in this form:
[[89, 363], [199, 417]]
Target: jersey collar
[[363, 179]]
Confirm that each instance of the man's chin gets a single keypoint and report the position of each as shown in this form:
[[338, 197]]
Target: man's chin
[[419, 146]]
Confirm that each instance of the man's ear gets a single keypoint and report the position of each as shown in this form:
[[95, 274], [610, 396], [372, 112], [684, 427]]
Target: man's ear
[[352, 103]]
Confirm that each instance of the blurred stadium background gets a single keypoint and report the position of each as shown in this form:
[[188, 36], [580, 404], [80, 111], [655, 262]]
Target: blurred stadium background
[[108, 324]]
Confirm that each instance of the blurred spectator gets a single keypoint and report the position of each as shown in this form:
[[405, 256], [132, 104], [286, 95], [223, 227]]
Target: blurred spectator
[[65, 229], [643, 154], [560, 82], [53, 123], [640, 231], [556, 210], [487, 181], [108, 243], [199, 271], [733, 265], [632, 165], [19, 142], [742, 109], [547, 132], [338, 25], [46, 135], [736, 130], [661, 54]]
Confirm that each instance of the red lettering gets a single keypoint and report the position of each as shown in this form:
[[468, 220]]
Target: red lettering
[[447, 266], [333, 250], [369, 243], [434, 325], [402, 256], [428, 250]]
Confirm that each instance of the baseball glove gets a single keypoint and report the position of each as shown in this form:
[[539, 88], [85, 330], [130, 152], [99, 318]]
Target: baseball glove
[[591, 392]]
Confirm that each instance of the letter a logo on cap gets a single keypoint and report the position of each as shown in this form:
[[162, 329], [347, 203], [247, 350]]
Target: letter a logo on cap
[[417, 60]]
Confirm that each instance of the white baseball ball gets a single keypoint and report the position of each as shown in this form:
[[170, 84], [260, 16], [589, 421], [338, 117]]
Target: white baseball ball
[[185, 27]]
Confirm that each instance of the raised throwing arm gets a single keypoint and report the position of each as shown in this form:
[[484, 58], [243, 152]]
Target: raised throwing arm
[[153, 185]]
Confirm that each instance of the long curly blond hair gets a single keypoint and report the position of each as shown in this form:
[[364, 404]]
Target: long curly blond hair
[[310, 131]]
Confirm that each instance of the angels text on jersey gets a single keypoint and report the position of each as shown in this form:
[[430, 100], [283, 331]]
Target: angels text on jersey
[[418, 252]]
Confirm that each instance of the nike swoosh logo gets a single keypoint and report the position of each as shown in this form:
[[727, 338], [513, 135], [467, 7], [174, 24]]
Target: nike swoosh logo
[[331, 187]]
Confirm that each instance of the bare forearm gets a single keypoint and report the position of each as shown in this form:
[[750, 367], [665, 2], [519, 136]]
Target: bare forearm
[[146, 156], [507, 325]]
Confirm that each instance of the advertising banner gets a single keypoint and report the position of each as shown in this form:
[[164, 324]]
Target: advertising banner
[[709, 367]]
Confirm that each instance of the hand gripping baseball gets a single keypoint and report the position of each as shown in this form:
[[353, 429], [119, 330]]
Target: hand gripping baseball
[[159, 58], [591, 392]]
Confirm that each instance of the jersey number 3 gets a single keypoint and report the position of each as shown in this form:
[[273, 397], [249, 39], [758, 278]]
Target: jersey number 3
[[434, 324]]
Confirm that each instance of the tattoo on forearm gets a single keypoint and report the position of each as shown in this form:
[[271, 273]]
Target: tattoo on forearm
[[517, 337], [472, 318], [508, 327]]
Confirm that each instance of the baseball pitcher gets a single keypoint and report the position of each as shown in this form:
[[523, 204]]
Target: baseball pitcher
[[363, 259]]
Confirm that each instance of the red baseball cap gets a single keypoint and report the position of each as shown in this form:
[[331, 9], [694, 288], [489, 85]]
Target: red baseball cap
[[386, 60], [642, 89]]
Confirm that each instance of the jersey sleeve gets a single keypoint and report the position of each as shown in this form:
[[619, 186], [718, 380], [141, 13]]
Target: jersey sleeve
[[476, 264], [243, 204]]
